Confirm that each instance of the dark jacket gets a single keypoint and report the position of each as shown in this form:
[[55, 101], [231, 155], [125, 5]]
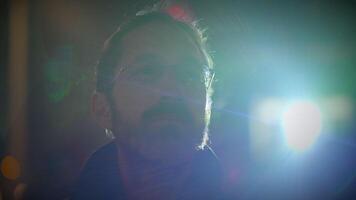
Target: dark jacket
[[100, 178]]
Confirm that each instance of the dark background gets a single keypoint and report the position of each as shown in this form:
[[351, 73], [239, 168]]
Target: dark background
[[261, 49]]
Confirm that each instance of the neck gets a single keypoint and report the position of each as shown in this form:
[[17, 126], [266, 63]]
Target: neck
[[146, 179]]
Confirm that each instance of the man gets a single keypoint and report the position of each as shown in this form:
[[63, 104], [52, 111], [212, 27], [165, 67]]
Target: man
[[153, 95]]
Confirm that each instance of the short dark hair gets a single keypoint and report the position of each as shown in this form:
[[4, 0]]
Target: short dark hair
[[107, 64]]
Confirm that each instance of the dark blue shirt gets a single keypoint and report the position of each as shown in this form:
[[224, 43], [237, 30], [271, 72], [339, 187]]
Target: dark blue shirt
[[100, 178]]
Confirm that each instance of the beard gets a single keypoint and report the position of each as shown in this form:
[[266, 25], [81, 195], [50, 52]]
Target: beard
[[166, 132]]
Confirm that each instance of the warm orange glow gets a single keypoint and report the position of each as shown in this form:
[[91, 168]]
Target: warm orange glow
[[10, 168]]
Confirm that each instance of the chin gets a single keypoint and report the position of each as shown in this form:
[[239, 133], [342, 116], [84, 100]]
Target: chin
[[173, 158], [166, 141], [168, 150]]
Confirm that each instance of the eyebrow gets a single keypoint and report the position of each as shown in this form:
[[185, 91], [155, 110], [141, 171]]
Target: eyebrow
[[150, 58], [145, 58], [154, 59], [189, 62]]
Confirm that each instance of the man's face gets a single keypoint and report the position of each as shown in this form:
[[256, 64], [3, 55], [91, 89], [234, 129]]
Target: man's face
[[159, 94]]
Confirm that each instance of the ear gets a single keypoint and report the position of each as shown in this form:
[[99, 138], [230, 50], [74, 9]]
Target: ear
[[101, 110]]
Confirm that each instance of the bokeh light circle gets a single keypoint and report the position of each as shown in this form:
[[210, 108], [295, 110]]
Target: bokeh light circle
[[301, 124], [10, 167]]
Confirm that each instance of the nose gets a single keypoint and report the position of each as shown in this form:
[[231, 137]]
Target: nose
[[168, 86]]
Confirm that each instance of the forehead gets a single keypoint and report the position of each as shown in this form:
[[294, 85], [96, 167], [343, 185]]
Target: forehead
[[159, 40]]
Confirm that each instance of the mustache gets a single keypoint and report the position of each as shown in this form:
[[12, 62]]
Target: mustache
[[175, 107]]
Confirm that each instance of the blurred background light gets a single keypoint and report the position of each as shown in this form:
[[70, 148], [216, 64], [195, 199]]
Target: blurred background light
[[264, 130], [280, 122], [301, 124], [10, 167]]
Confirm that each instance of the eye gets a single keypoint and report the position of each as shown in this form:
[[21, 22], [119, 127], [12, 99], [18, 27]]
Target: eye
[[146, 73], [190, 76]]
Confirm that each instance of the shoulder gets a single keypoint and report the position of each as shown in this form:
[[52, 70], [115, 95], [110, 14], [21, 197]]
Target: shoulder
[[104, 155], [102, 160], [99, 175], [206, 178], [207, 161]]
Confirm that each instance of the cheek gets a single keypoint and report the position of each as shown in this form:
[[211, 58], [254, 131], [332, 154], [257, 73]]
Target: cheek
[[197, 106]]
